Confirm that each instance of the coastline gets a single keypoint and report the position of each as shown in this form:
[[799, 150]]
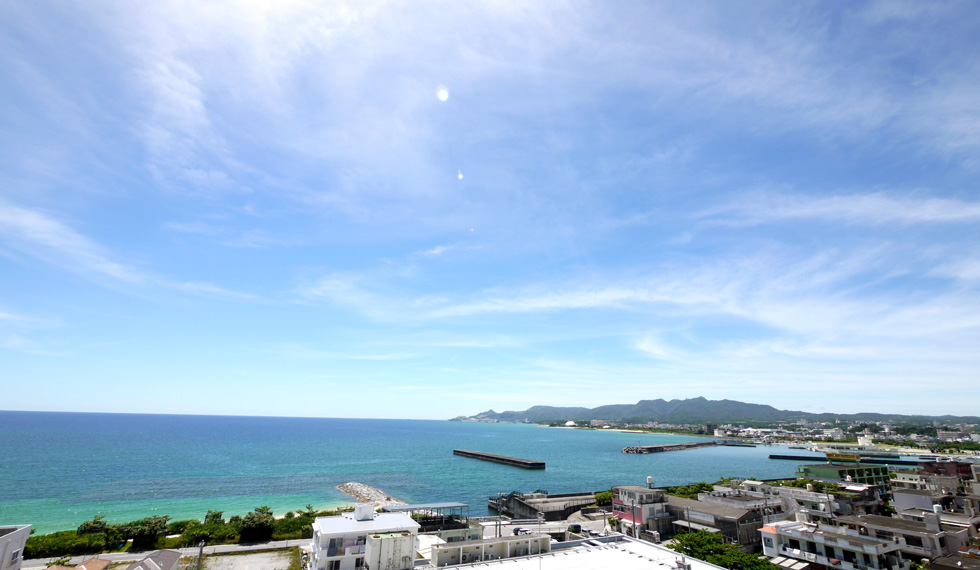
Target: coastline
[[237, 464]]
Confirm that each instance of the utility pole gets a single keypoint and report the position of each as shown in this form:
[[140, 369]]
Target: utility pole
[[200, 555]]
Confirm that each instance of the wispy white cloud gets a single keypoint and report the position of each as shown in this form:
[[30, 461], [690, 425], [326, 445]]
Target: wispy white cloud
[[436, 251], [43, 236], [654, 347], [303, 352], [215, 292], [870, 208], [21, 344], [829, 303]]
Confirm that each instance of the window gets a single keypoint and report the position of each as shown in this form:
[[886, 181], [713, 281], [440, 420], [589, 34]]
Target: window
[[15, 556], [359, 562], [767, 541]]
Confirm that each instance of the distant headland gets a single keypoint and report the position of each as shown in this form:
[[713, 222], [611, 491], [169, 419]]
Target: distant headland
[[694, 411]]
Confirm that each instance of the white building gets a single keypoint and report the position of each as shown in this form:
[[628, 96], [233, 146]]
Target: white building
[[12, 541], [379, 541], [452, 554], [798, 544], [613, 552]]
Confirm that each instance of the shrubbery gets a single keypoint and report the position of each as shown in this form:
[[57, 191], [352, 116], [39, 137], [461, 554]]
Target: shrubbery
[[257, 526], [64, 542], [96, 535], [690, 491], [818, 486], [604, 498], [713, 548]]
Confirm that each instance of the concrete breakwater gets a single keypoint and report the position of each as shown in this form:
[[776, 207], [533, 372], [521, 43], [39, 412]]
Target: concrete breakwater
[[680, 446], [368, 494], [515, 461]]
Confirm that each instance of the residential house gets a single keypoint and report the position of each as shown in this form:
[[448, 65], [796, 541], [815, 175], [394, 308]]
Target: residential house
[[955, 562], [159, 560], [639, 509], [12, 541], [351, 540], [737, 525], [488, 549], [801, 544], [90, 564], [926, 539], [924, 481]]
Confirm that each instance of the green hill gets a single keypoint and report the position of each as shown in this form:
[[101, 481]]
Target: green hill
[[698, 410]]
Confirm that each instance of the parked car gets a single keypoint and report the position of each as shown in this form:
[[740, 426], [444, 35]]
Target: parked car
[[521, 530]]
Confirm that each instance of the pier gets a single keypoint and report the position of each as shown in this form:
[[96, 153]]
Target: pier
[[868, 460], [681, 446], [515, 461]]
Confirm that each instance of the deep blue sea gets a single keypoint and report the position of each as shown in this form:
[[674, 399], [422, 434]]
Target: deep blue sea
[[60, 469]]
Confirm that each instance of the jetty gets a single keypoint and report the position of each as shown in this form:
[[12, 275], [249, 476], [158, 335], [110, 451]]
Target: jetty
[[515, 461], [368, 494], [868, 460], [660, 448]]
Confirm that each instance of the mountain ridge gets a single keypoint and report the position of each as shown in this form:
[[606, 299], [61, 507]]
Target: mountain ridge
[[697, 410]]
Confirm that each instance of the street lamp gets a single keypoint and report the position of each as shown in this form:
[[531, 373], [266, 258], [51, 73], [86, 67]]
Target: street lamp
[[540, 520], [633, 518], [500, 498]]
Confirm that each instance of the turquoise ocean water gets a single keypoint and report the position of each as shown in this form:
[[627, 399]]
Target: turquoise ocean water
[[60, 469]]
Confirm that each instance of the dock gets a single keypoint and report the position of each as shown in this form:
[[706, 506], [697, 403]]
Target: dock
[[868, 460], [681, 446], [515, 461]]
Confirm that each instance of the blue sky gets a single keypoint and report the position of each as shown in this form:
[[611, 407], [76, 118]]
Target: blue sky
[[424, 209]]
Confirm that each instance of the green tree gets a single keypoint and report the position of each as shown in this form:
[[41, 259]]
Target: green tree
[[712, 548], [257, 526], [95, 526], [62, 543], [690, 491], [146, 532], [604, 498], [214, 517]]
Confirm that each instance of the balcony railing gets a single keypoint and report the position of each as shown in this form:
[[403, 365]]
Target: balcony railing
[[820, 557]]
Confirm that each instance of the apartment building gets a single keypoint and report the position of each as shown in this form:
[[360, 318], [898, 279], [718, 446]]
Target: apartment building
[[800, 544], [12, 541], [364, 538]]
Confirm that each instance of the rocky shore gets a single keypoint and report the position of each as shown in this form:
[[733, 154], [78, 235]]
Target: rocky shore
[[367, 494]]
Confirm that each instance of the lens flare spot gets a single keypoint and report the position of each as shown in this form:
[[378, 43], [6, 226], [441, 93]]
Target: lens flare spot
[[460, 175], [442, 93]]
